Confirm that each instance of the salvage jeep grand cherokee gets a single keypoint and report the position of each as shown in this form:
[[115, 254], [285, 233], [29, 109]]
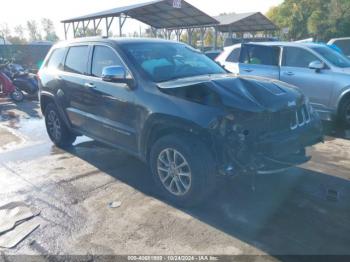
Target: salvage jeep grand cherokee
[[176, 109]]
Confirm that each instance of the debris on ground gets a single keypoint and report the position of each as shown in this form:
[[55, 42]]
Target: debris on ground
[[17, 221], [114, 204]]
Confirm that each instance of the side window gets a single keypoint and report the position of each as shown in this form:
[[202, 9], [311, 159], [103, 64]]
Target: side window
[[103, 56], [297, 57], [234, 56], [260, 55], [56, 59], [77, 59]]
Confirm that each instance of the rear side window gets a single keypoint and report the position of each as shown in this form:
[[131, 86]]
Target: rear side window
[[234, 56], [260, 55], [103, 56], [56, 59], [77, 59], [344, 45], [297, 57]]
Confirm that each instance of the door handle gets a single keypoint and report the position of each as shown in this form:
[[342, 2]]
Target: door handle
[[289, 73], [248, 70], [90, 85]]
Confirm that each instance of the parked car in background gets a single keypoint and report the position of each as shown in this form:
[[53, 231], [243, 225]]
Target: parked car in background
[[176, 109], [342, 43], [319, 71], [213, 54], [232, 41]]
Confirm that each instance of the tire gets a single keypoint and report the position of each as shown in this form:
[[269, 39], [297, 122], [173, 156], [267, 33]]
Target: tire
[[17, 96], [56, 128], [192, 189], [344, 113]]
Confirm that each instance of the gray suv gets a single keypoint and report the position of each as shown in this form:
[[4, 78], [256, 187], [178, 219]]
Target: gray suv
[[320, 72]]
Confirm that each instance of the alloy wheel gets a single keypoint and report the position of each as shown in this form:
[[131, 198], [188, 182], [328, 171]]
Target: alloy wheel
[[174, 172], [54, 125]]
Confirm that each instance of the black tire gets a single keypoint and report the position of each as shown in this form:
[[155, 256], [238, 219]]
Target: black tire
[[201, 169], [17, 96], [57, 129], [344, 113]]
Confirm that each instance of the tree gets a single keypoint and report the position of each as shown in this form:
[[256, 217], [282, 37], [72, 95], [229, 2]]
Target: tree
[[320, 19], [16, 40], [5, 30], [19, 31], [33, 30], [88, 32], [49, 30]]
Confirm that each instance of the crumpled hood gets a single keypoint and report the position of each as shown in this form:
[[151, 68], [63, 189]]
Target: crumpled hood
[[245, 93]]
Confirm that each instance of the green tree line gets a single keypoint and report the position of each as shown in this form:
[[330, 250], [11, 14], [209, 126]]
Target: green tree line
[[31, 31], [320, 19]]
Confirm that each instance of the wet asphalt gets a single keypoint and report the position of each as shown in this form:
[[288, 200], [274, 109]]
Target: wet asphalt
[[304, 211]]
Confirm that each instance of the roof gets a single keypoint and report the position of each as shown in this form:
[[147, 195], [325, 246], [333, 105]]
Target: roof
[[156, 13], [287, 44], [111, 40], [245, 22]]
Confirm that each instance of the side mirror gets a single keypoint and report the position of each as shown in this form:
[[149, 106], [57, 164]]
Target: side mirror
[[116, 74], [316, 65]]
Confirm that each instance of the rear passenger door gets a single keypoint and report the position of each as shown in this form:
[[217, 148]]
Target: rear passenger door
[[73, 92], [260, 60]]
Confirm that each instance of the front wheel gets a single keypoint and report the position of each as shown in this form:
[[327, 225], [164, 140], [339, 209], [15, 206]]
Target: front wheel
[[17, 95], [56, 128], [183, 169]]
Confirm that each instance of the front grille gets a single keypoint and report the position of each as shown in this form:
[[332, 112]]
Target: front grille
[[300, 117]]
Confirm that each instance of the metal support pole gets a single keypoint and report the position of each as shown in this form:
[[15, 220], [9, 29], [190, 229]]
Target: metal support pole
[[215, 45], [107, 28], [120, 26], [75, 28], [84, 31], [65, 31], [122, 21], [202, 30], [95, 29], [190, 35]]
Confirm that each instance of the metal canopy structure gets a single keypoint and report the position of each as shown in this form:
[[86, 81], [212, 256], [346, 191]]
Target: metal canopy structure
[[246, 22], [159, 14]]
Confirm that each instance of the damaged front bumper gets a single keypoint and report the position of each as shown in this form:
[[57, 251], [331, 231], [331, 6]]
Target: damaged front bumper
[[269, 152]]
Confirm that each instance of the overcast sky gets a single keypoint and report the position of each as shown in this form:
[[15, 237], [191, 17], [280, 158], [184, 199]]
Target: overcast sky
[[16, 12]]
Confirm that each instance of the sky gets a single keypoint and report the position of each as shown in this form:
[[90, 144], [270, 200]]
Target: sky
[[15, 12]]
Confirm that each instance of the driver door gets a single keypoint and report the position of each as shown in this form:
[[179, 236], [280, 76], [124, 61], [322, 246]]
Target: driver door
[[109, 105]]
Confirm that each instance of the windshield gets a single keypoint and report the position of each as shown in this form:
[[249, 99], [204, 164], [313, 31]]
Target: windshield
[[332, 56], [168, 61]]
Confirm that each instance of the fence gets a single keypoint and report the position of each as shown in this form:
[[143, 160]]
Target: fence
[[29, 56]]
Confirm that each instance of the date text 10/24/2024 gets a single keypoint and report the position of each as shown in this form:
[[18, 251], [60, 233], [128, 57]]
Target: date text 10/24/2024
[[172, 258]]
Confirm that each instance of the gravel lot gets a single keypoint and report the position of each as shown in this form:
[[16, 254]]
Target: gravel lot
[[304, 210]]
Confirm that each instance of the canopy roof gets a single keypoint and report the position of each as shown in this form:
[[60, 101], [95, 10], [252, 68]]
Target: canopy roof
[[246, 22], [158, 14]]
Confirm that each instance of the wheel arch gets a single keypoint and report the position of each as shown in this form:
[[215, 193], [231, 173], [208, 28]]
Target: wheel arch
[[344, 95], [47, 98], [161, 125]]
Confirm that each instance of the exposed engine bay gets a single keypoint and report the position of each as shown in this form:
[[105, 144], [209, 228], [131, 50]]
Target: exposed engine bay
[[266, 126]]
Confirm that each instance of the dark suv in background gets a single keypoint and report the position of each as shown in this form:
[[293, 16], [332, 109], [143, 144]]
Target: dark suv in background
[[176, 109]]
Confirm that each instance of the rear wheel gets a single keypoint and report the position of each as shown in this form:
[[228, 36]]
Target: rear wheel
[[344, 112], [17, 95], [183, 169], [56, 128]]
